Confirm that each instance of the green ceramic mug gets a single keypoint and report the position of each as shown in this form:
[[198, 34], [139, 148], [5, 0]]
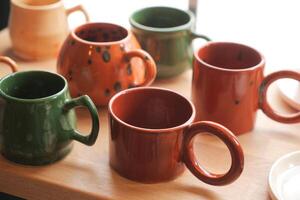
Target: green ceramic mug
[[166, 34], [37, 119]]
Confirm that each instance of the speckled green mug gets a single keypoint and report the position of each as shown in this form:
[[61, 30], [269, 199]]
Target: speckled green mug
[[166, 34], [37, 120]]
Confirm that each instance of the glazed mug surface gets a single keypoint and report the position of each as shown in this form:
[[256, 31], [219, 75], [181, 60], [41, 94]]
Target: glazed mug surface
[[37, 119], [167, 34], [151, 137], [101, 59], [229, 86], [38, 28]]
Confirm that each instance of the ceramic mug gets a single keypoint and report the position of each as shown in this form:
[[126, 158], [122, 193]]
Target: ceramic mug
[[37, 119], [38, 27], [167, 34], [152, 137], [229, 86], [101, 59]]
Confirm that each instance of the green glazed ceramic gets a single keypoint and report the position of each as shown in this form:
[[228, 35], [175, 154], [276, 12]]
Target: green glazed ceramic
[[37, 120], [166, 33]]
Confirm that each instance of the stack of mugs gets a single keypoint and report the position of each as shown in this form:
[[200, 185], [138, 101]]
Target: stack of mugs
[[103, 64]]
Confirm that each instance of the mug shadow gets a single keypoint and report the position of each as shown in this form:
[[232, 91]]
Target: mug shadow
[[171, 187], [10, 53]]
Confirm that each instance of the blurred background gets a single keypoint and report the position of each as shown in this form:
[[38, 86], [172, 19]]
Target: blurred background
[[271, 27]]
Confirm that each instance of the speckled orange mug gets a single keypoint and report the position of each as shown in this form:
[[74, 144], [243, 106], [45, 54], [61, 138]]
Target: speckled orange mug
[[101, 59], [229, 86]]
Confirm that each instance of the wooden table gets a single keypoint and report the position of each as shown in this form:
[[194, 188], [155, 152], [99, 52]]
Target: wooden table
[[85, 173]]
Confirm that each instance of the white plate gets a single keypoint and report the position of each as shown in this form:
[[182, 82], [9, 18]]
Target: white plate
[[289, 90], [284, 178]]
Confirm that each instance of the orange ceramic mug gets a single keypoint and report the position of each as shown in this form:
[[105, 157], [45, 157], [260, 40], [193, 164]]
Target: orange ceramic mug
[[229, 86], [38, 28], [152, 134], [101, 59]]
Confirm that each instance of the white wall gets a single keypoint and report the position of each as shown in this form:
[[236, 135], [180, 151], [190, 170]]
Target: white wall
[[272, 27]]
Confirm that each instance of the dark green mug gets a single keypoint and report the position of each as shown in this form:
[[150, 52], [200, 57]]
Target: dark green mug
[[37, 119], [166, 34]]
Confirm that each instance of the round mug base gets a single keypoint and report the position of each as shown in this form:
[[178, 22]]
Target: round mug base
[[37, 161], [145, 179], [26, 57], [166, 72]]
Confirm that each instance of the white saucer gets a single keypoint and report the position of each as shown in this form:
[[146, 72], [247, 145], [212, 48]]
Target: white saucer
[[289, 90], [284, 178]]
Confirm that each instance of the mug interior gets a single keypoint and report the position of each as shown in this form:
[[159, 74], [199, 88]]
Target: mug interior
[[161, 17], [36, 2], [151, 108], [229, 55], [101, 32], [32, 85]]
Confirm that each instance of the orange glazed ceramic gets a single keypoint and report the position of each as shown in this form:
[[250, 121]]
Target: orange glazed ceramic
[[101, 59], [229, 86], [152, 138]]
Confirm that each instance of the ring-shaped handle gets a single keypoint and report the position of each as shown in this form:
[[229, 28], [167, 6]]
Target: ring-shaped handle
[[150, 66], [263, 100], [236, 152]]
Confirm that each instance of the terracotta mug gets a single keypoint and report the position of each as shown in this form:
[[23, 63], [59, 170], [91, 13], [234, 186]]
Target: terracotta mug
[[167, 34], [152, 137], [229, 86], [101, 59], [38, 27], [37, 119]]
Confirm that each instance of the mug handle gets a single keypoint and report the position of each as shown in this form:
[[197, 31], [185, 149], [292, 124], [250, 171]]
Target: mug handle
[[87, 102], [12, 64], [79, 8], [263, 101], [236, 152], [150, 65], [197, 35]]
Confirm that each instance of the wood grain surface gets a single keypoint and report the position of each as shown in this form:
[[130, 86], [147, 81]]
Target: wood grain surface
[[85, 173]]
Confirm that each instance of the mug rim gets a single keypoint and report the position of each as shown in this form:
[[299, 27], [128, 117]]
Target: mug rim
[[182, 27], [258, 65], [76, 37], [39, 7], [36, 100], [149, 130]]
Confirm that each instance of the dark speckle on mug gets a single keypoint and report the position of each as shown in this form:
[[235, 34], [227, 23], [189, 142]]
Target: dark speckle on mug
[[126, 58], [236, 102], [128, 69], [106, 56], [98, 49], [72, 42], [146, 58], [90, 61], [117, 86], [107, 92], [251, 83]]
